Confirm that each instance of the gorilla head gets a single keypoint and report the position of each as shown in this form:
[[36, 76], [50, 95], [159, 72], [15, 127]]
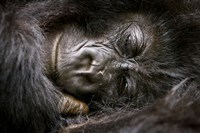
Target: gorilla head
[[134, 59]]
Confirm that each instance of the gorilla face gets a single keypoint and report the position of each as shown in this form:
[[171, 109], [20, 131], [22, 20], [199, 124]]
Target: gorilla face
[[131, 59]]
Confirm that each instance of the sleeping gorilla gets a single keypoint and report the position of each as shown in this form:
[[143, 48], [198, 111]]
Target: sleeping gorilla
[[143, 55], [117, 56]]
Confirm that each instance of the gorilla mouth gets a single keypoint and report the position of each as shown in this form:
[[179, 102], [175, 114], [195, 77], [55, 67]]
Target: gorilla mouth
[[122, 85]]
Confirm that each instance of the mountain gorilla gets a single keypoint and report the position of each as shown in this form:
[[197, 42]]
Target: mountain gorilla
[[118, 56]]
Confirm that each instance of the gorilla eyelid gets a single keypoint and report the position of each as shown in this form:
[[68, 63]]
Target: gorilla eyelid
[[127, 51]]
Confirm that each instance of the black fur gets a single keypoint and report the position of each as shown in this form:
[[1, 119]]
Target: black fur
[[178, 112], [29, 99]]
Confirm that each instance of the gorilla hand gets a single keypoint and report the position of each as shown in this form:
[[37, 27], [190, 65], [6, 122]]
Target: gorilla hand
[[70, 105]]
